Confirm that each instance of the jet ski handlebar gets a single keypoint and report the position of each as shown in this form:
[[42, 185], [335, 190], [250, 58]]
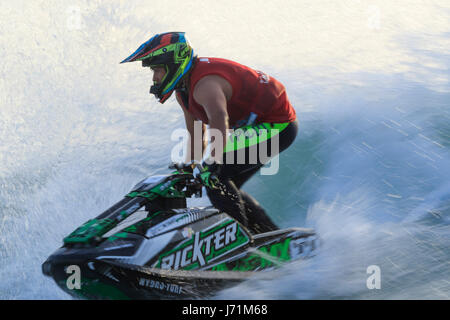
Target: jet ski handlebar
[[192, 182], [187, 167]]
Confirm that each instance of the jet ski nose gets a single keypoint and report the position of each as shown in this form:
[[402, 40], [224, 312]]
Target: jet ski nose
[[47, 268]]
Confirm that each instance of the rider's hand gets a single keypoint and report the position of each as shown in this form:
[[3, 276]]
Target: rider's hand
[[207, 174]]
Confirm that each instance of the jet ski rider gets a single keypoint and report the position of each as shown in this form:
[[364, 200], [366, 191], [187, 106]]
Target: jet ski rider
[[224, 95]]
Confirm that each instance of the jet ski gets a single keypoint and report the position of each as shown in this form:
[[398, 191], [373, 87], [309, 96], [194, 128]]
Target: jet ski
[[149, 245]]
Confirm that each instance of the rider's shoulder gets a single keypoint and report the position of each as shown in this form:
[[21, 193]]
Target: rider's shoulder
[[211, 84]]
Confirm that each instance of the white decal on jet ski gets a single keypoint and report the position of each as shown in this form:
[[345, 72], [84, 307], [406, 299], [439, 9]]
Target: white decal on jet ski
[[187, 232], [185, 216], [302, 247], [148, 248], [119, 247], [200, 248], [169, 287]]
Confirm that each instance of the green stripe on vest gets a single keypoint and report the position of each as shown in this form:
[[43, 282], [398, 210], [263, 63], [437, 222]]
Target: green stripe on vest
[[251, 135]]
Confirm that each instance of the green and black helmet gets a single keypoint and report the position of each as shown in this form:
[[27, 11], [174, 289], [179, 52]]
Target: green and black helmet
[[171, 50]]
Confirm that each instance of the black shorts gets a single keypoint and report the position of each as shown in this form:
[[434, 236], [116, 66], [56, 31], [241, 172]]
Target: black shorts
[[251, 147]]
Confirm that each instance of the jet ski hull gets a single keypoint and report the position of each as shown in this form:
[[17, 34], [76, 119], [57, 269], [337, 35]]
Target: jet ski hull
[[150, 246], [111, 279]]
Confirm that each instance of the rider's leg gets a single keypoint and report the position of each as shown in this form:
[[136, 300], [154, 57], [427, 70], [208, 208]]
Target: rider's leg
[[237, 203], [258, 220]]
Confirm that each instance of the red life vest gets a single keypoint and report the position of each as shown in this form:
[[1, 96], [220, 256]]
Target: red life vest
[[253, 92]]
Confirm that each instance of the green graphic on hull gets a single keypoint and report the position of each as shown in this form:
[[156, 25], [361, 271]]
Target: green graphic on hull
[[118, 236], [89, 230], [138, 228], [203, 247], [165, 190], [266, 257]]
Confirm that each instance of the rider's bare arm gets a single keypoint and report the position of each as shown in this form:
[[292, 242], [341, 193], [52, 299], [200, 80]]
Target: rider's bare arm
[[213, 92], [193, 140]]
